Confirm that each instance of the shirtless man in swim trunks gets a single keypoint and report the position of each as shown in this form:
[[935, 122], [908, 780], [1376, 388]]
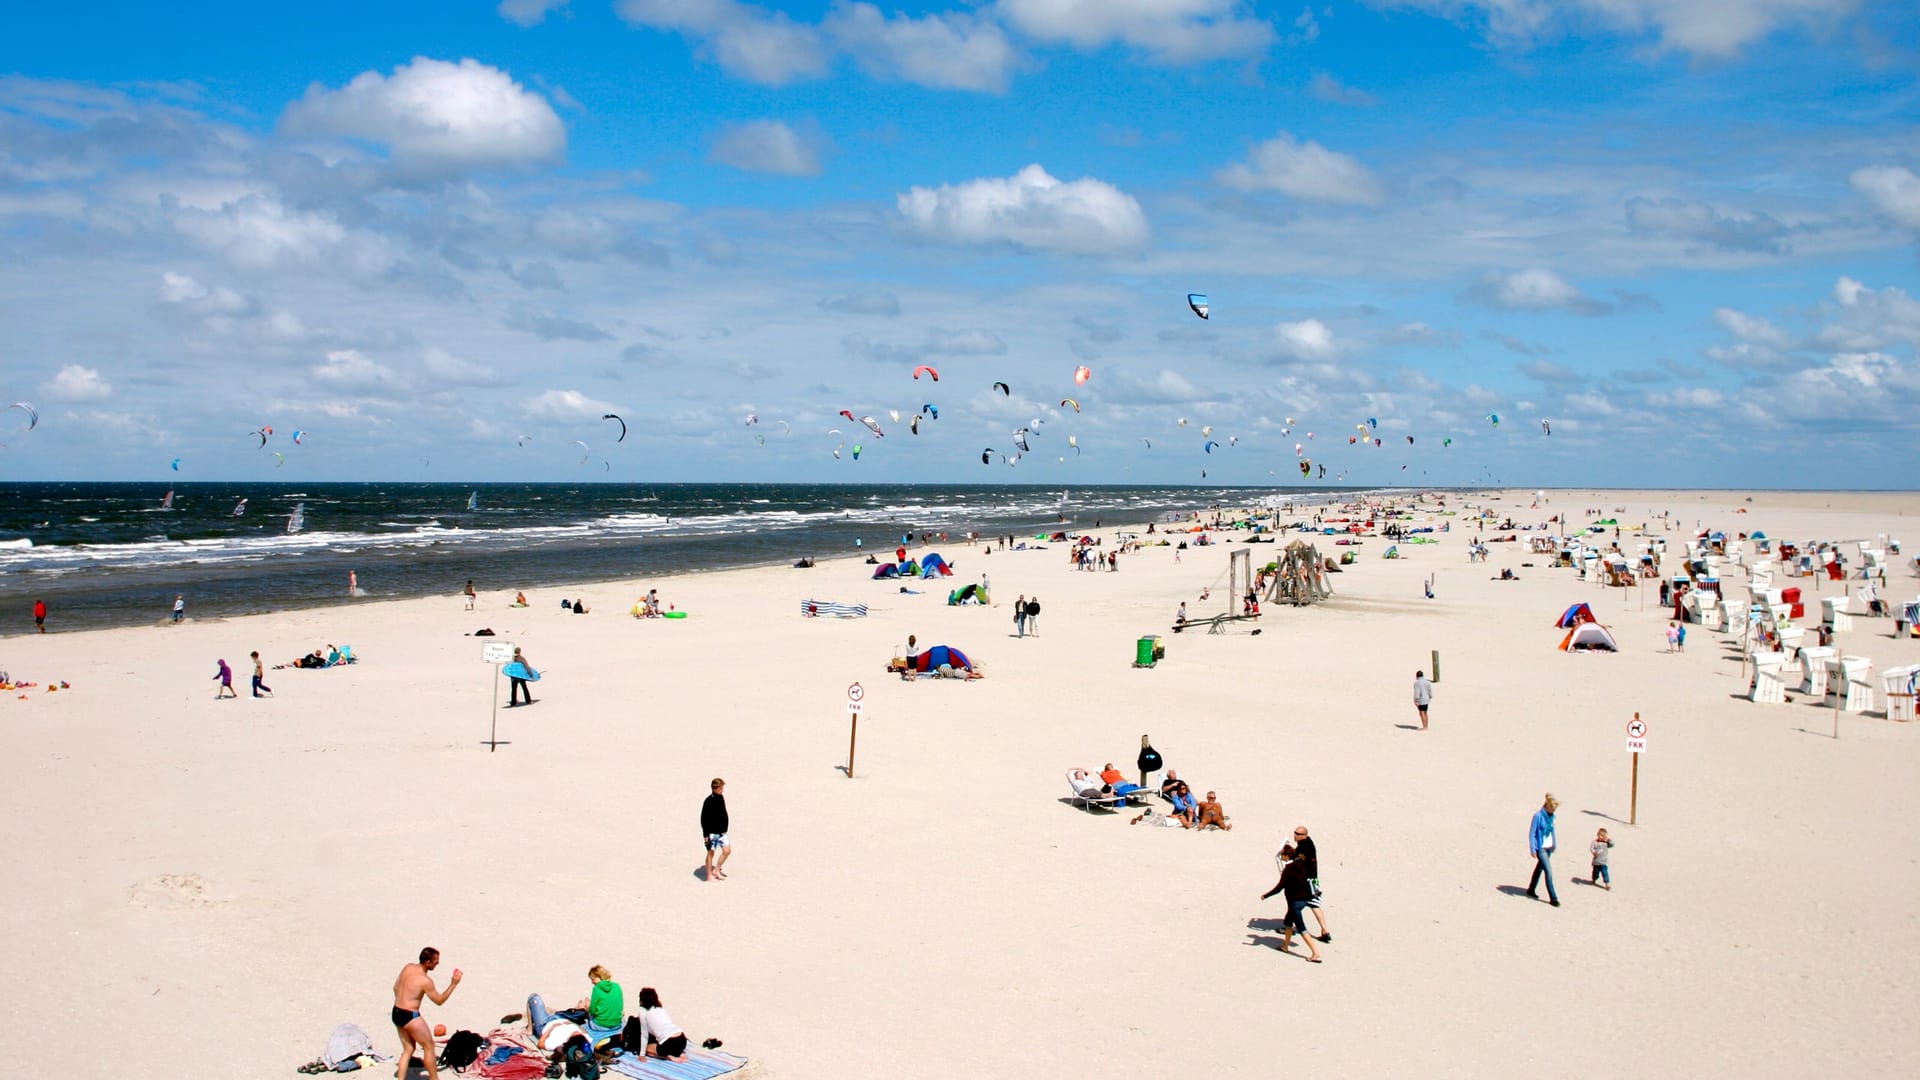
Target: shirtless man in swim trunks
[[414, 984]]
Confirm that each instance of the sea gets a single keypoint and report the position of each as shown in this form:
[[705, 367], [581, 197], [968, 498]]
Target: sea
[[116, 554]]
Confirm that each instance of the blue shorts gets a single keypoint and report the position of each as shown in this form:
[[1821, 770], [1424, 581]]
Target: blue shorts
[[716, 841]]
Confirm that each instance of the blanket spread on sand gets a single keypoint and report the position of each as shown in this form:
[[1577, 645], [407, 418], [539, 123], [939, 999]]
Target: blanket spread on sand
[[699, 1065]]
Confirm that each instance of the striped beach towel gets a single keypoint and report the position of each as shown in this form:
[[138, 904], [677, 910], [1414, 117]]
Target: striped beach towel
[[839, 611], [699, 1065]]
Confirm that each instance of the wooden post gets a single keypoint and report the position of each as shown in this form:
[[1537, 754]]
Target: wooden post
[[853, 736], [1633, 792], [1436, 665], [493, 729]]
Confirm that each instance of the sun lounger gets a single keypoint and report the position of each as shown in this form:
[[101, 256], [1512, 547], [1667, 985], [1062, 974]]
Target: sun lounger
[[1089, 792]]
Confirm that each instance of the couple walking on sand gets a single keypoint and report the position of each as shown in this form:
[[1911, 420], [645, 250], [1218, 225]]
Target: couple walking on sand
[[1299, 861]]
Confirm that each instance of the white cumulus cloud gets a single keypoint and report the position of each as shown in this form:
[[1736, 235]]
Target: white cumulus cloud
[[435, 119], [351, 370], [528, 12], [951, 51], [263, 233], [568, 405], [746, 40], [1030, 210], [76, 383], [1537, 289], [1709, 28], [1305, 170], [1753, 329], [768, 146], [1167, 31], [1308, 340], [1893, 191]]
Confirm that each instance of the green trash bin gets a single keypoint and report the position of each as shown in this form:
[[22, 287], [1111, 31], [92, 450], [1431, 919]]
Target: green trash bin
[[1143, 654]]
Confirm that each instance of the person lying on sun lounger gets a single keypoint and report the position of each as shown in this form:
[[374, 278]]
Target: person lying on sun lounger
[[1088, 786], [1117, 783]]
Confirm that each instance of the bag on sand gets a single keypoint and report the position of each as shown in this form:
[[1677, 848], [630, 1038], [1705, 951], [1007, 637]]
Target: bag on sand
[[633, 1036], [578, 1058], [462, 1049]]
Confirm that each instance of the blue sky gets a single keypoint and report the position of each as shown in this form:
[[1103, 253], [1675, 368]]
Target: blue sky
[[1682, 231]]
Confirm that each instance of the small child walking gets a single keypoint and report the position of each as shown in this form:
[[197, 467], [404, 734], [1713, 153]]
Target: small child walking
[[224, 677], [1601, 846]]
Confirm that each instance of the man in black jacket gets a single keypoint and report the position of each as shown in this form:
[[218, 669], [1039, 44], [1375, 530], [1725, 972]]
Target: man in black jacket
[[1033, 616], [1311, 855], [713, 830]]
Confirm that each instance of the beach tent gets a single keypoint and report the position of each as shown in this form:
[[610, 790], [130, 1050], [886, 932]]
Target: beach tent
[[885, 570], [937, 657], [1589, 636], [932, 563], [966, 593], [909, 569], [1573, 616]]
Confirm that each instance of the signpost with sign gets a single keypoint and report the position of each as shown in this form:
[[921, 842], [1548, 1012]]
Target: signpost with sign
[[856, 694], [1636, 745], [496, 653]]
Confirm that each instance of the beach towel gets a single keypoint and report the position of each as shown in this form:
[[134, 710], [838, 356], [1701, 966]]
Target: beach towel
[[699, 1065], [510, 1063], [345, 1041]]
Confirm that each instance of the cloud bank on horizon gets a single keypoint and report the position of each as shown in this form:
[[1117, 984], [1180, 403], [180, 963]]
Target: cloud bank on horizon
[[1685, 233]]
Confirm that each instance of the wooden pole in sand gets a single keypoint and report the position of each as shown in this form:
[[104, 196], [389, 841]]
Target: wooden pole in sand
[[1633, 794], [855, 694], [1636, 733]]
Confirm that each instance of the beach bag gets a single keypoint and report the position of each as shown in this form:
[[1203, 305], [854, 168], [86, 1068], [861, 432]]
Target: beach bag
[[462, 1049], [1150, 760], [633, 1037], [485, 631], [578, 1060]]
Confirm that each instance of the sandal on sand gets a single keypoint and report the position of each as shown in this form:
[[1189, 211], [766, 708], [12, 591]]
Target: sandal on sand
[[1313, 959], [512, 1018]]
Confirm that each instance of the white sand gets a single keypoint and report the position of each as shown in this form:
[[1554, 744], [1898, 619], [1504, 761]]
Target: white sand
[[235, 877]]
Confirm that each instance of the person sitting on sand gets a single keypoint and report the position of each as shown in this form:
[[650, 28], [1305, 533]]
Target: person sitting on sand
[[579, 607], [1184, 808], [1212, 815], [333, 654], [605, 1005], [658, 1033]]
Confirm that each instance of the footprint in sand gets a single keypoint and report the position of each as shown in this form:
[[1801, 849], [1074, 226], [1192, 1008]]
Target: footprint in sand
[[174, 891]]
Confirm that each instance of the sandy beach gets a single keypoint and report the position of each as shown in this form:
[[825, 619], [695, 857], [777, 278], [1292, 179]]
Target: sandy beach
[[242, 875]]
